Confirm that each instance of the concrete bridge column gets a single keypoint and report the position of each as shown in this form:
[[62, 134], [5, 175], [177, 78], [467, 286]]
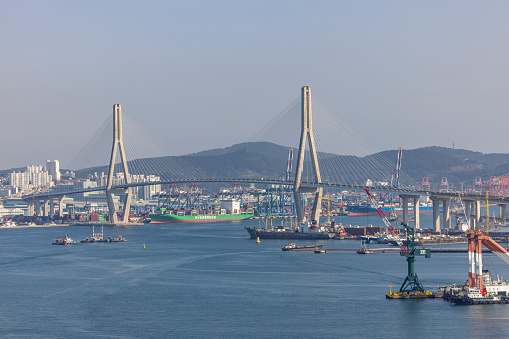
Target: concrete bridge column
[[468, 213], [38, 208], [405, 208], [446, 212], [30, 208], [46, 207], [477, 214], [406, 199], [436, 214], [51, 207], [60, 207], [503, 212], [417, 222]]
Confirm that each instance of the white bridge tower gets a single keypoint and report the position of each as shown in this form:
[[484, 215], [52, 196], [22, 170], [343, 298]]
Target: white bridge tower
[[307, 134], [118, 142]]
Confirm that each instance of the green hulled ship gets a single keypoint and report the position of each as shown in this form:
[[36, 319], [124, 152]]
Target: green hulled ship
[[169, 218]]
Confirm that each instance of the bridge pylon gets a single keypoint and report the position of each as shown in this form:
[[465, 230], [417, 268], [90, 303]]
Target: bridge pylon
[[307, 135], [118, 143]]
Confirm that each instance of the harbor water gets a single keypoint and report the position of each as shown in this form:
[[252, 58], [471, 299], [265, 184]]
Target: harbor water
[[209, 280]]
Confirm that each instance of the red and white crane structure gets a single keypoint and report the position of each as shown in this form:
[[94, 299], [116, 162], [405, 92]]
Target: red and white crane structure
[[475, 241]]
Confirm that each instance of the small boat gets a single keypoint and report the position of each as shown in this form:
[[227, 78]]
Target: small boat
[[117, 239], [293, 247], [96, 237], [99, 237], [8, 223], [64, 241], [364, 249]]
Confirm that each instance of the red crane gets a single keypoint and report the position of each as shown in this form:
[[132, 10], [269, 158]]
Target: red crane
[[391, 229]]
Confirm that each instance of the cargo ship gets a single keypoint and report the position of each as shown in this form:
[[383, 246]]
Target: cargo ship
[[170, 218], [305, 231], [361, 210], [232, 211]]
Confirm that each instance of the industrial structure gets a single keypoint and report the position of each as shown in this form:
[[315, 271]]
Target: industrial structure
[[307, 135]]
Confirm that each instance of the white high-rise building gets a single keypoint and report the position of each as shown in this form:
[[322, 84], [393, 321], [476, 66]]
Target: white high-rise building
[[20, 180], [53, 168], [34, 177]]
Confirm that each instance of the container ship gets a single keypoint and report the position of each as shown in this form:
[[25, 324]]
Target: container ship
[[169, 218], [231, 213]]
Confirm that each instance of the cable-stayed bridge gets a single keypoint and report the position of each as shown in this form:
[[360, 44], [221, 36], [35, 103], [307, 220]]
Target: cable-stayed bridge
[[318, 167]]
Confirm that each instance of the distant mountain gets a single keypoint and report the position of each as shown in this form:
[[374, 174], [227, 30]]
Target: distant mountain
[[262, 148], [459, 166]]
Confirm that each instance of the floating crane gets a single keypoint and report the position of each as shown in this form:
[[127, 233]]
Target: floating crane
[[411, 287]]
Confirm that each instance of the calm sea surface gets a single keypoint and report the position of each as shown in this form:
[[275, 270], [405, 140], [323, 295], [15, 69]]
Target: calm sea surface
[[210, 281]]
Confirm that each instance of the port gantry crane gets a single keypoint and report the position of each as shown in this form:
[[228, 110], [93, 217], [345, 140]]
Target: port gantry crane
[[411, 283], [328, 207]]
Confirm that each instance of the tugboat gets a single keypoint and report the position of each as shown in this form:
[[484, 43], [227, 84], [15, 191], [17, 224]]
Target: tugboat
[[64, 241], [293, 247]]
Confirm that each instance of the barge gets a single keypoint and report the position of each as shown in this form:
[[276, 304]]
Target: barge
[[294, 247]]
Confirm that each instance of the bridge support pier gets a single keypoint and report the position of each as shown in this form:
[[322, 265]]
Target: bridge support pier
[[477, 206], [473, 213], [51, 207], [446, 212], [30, 208], [406, 199], [502, 208], [61, 206], [307, 134], [38, 208], [468, 213], [417, 212], [436, 214], [46, 207]]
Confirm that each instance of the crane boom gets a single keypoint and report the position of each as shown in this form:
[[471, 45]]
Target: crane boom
[[391, 229]]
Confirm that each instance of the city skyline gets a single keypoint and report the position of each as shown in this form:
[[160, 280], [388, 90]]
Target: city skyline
[[413, 74]]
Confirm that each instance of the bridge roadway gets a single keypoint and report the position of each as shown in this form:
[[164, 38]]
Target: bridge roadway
[[399, 191], [472, 201]]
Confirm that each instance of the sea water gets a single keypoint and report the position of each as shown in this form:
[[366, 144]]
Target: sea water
[[209, 280]]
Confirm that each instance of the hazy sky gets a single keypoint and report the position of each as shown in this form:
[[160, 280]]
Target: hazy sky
[[204, 74]]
